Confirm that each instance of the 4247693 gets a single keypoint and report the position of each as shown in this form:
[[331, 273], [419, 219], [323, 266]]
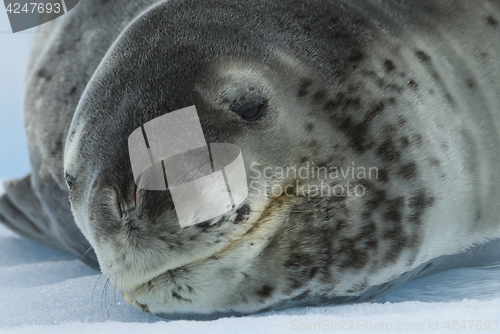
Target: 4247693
[[471, 325]]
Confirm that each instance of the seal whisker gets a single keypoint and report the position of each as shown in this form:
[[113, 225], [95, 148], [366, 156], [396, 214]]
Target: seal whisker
[[114, 299], [103, 297], [86, 253], [93, 292]]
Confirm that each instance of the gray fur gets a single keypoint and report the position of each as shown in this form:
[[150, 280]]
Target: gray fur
[[410, 87]]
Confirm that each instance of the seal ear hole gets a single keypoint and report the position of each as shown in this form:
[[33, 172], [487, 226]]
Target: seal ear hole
[[250, 111], [70, 181]]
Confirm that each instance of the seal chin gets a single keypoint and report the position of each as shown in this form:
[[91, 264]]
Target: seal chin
[[194, 286]]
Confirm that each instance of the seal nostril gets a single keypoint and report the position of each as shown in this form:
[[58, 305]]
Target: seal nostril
[[251, 111]]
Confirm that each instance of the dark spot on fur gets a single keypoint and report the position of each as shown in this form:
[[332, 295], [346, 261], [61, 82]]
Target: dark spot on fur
[[319, 95], [353, 257], [389, 65], [491, 21], [404, 141], [420, 201], [358, 288], [383, 175], [383, 83], [352, 102], [265, 291], [394, 207], [176, 295], [413, 242], [335, 103], [42, 73], [367, 236], [143, 307], [73, 90], [358, 132], [422, 56], [313, 272], [394, 87], [397, 246], [356, 56], [330, 105], [408, 170], [341, 223], [379, 197], [342, 102], [205, 224], [299, 264], [390, 130], [434, 162], [305, 83], [470, 83], [313, 144], [418, 204], [297, 260], [388, 151], [412, 84], [417, 139], [309, 127]]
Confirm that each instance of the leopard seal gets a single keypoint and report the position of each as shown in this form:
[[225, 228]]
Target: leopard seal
[[408, 87]]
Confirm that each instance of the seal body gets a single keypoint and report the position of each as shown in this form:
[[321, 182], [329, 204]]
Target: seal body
[[407, 90]]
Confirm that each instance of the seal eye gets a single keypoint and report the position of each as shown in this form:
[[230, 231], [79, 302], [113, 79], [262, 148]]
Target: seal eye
[[251, 111], [70, 180]]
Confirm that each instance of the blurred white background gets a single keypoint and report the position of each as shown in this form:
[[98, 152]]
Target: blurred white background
[[14, 50]]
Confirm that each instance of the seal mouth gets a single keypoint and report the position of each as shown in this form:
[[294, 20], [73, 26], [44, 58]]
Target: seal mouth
[[275, 208], [242, 215]]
